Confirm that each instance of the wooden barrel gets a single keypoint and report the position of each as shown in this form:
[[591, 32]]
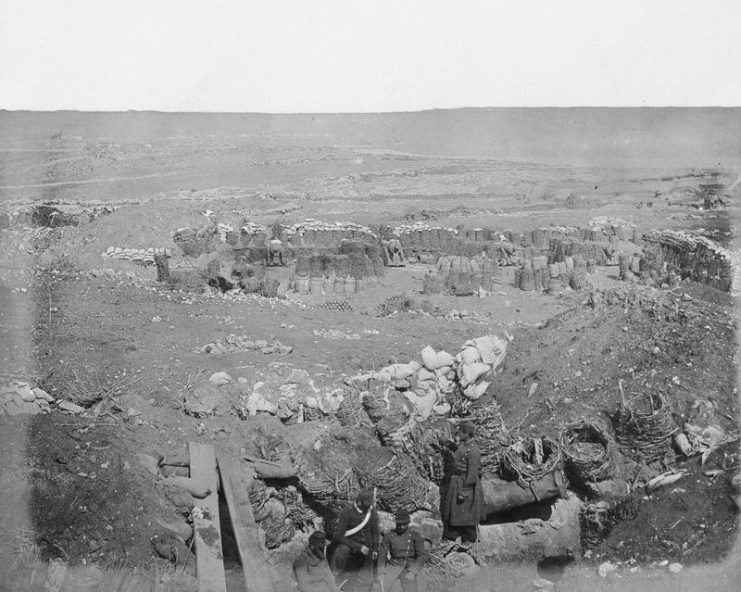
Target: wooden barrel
[[545, 278], [538, 279], [527, 280], [302, 285], [540, 239], [554, 285], [316, 285]]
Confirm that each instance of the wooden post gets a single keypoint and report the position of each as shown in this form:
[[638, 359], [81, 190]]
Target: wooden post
[[207, 529], [236, 481], [163, 265]]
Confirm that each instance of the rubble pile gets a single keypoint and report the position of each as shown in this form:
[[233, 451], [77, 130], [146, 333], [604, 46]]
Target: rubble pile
[[239, 343], [22, 398]]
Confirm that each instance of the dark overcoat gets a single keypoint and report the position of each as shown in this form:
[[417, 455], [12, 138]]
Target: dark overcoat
[[461, 495]]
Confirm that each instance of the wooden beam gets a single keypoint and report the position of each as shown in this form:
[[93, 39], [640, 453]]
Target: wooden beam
[[207, 530], [236, 480]]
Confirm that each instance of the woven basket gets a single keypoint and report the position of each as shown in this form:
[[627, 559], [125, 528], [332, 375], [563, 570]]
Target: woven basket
[[527, 280], [588, 452], [530, 459], [644, 426], [350, 412], [399, 485], [312, 414]]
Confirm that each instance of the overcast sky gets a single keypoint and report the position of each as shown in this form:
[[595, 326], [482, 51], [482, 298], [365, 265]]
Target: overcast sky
[[360, 56]]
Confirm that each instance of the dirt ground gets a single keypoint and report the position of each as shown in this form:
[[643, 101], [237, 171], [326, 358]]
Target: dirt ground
[[105, 334]]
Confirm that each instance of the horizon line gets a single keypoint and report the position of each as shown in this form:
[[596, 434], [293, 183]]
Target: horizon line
[[399, 112]]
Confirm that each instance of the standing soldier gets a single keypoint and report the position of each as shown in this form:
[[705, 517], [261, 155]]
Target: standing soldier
[[461, 495], [405, 550], [357, 542], [311, 568]]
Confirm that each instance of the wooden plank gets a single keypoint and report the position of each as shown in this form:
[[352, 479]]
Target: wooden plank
[[236, 481], [207, 530]]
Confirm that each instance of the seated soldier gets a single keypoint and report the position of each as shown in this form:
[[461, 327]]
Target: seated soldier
[[357, 543], [401, 557], [311, 568]]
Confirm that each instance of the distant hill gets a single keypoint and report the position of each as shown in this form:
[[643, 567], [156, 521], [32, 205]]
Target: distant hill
[[701, 137]]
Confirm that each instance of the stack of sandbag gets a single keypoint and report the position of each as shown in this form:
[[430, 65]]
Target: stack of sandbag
[[435, 378], [475, 363], [196, 241]]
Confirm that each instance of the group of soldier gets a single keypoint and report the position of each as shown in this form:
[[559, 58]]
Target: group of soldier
[[363, 557]]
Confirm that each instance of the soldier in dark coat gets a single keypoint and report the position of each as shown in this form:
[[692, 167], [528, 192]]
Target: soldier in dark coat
[[461, 495], [357, 540], [401, 557], [311, 568]]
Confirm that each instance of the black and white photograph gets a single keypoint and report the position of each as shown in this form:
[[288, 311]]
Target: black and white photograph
[[369, 296]]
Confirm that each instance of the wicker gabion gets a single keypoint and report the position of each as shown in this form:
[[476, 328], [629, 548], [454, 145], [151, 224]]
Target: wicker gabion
[[351, 413], [588, 452], [530, 459], [423, 445], [439, 571], [398, 484], [492, 437], [336, 305], [644, 426]]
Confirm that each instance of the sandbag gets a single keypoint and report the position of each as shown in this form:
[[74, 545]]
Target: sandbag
[[470, 373], [434, 360], [475, 391], [470, 355]]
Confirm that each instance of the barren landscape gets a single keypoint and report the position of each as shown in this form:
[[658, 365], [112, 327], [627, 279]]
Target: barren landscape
[[588, 257]]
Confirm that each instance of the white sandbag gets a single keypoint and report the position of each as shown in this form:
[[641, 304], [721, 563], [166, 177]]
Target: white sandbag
[[443, 371], [433, 360], [470, 373], [444, 384], [220, 378], [474, 391], [384, 374], [424, 399], [403, 371], [470, 355], [311, 402], [428, 356], [491, 348], [257, 402], [425, 374]]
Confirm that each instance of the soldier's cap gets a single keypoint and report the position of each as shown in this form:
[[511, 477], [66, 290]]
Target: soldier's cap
[[402, 517], [317, 538], [467, 428]]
